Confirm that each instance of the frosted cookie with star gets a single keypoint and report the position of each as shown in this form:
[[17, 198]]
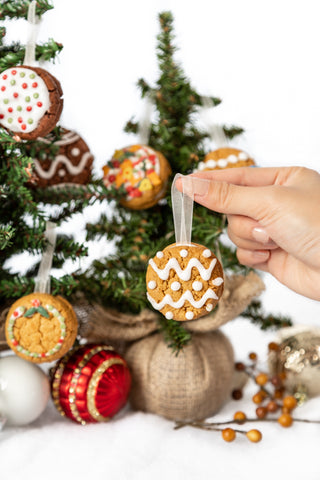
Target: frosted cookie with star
[[184, 282], [225, 158], [30, 101], [140, 173], [41, 327]]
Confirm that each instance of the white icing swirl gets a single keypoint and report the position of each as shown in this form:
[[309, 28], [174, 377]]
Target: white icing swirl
[[187, 296], [197, 286], [184, 274], [72, 169], [152, 285]]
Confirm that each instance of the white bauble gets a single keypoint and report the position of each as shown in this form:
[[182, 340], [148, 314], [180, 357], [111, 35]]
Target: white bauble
[[24, 391]]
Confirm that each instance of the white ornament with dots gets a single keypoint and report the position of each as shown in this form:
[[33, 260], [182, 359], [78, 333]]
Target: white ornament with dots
[[184, 253], [152, 285]]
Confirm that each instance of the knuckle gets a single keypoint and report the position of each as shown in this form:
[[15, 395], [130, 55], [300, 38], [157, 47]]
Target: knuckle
[[222, 193]]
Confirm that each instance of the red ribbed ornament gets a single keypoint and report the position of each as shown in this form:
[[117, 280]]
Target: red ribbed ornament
[[90, 384]]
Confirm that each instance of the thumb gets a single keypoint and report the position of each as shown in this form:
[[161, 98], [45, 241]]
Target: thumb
[[224, 197]]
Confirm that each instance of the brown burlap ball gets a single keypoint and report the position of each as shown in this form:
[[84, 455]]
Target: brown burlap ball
[[190, 386]]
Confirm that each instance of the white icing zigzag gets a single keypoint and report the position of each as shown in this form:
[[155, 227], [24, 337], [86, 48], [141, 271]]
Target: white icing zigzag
[[73, 169], [167, 300], [185, 274]]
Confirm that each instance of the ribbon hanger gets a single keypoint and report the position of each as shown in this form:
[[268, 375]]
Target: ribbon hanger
[[33, 20], [42, 282]]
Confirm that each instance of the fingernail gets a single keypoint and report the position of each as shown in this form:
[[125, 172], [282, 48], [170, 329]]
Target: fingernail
[[260, 235], [195, 186], [261, 254]]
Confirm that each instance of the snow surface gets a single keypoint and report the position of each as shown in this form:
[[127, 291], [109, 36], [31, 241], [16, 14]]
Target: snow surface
[[261, 58]]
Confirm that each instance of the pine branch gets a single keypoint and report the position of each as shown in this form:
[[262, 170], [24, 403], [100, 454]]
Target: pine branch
[[255, 314], [19, 8], [13, 55], [6, 236], [175, 335]]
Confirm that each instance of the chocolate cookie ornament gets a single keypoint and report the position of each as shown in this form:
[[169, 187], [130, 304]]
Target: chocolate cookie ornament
[[30, 101], [71, 164], [141, 172]]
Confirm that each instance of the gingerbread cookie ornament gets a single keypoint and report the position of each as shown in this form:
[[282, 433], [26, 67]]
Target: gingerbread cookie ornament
[[225, 157], [185, 280], [41, 327]]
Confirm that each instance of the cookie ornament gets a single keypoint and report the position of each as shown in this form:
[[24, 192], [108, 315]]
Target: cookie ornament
[[30, 97], [41, 327], [225, 157], [72, 161], [185, 280], [142, 174]]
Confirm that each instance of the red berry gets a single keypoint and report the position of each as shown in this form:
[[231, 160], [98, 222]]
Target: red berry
[[135, 193], [13, 72], [3, 88], [39, 104], [151, 170], [60, 340], [16, 95], [20, 119], [35, 302], [43, 354], [24, 126], [24, 85], [14, 342], [29, 109], [15, 313], [34, 84], [116, 163]]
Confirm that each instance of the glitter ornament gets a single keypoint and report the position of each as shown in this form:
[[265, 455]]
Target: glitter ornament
[[90, 384], [24, 392], [297, 360], [30, 101], [142, 174], [225, 157]]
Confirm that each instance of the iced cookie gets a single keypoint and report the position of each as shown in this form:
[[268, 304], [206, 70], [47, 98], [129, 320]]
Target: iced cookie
[[30, 101], [71, 164], [184, 282], [225, 158], [142, 174], [40, 327]]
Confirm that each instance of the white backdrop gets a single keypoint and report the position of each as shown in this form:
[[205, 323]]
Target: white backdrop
[[262, 59]]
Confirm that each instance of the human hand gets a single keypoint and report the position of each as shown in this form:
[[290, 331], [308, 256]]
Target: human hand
[[273, 219]]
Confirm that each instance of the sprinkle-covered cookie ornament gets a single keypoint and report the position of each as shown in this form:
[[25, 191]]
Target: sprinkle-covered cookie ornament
[[40, 327], [225, 157], [184, 282], [30, 101], [141, 173], [72, 161]]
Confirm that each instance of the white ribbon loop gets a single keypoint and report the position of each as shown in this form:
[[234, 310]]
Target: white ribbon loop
[[182, 208], [144, 125], [215, 131], [30, 53], [42, 283]]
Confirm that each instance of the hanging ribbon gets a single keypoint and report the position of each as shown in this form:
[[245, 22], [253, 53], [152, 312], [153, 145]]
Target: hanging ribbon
[[215, 131], [42, 283], [144, 126], [30, 53], [182, 209]]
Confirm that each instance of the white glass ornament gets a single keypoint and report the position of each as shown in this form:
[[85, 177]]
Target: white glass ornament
[[24, 391]]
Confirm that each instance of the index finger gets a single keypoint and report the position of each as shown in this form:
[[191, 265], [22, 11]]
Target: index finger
[[247, 176]]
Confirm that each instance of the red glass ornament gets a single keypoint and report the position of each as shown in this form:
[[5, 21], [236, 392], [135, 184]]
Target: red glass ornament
[[90, 384]]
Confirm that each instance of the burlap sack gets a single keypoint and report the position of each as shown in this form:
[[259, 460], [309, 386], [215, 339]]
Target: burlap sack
[[190, 386], [110, 325]]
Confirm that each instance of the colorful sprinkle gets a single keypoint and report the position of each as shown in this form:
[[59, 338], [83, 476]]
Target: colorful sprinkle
[[36, 95], [5, 77], [29, 109], [1, 116], [12, 82], [20, 119], [10, 120], [22, 74], [16, 95], [3, 89], [39, 104], [27, 99], [24, 85], [6, 100], [10, 109], [19, 108], [13, 72], [32, 75], [34, 85], [24, 126]]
